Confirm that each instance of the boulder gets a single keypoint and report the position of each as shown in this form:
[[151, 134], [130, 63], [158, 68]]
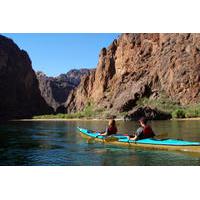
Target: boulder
[[149, 113]]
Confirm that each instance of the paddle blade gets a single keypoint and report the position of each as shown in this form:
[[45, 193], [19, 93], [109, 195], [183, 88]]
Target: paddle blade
[[111, 139], [91, 140]]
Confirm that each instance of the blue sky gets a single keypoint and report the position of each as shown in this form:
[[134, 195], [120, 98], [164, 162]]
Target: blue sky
[[56, 53]]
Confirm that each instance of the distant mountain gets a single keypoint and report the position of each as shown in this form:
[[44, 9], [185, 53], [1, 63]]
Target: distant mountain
[[55, 90], [19, 92]]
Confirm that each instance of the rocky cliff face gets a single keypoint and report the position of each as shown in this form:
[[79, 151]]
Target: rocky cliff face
[[142, 65], [19, 92], [55, 90]]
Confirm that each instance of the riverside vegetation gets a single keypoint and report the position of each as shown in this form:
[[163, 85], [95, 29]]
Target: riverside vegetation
[[88, 112], [163, 104], [175, 109]]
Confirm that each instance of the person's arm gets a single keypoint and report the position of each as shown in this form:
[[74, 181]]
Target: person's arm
[[137, 133], [134, 138], [105, 133]]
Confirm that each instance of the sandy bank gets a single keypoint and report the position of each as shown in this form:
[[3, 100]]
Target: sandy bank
[[62, 119], [95, 119], [187, 119]]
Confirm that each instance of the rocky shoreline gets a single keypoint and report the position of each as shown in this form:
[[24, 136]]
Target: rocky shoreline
[[97, 119]]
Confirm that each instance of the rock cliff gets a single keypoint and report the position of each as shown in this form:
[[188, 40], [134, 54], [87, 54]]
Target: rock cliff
[[142, 65], [55, 90], [19, 91]]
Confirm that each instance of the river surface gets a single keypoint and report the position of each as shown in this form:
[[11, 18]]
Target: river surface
[[59, 143]]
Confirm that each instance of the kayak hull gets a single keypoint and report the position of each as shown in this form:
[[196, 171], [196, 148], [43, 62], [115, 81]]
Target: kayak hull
[[190, 147]]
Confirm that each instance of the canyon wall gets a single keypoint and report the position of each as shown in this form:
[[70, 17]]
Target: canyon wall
[[55, 90], [142, 65], [19, 91]]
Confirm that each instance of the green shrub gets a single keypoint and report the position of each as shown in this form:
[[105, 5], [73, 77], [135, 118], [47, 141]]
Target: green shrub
[[192, 113], [179, 113], [163, 103], [88, 111]]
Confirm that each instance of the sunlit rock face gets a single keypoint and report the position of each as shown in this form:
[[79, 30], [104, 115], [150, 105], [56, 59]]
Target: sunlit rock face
[[142, 65]]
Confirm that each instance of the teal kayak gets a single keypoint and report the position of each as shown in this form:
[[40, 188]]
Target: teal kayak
[[123, 139]]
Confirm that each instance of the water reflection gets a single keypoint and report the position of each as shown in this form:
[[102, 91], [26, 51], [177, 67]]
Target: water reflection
[[59, 143]]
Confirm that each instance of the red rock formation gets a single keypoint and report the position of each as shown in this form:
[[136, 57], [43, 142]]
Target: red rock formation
[[142, 65], [19, 92]]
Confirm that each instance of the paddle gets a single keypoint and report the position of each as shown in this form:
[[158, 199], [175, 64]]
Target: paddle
[[90, 140], [111, 139], [161, 136]]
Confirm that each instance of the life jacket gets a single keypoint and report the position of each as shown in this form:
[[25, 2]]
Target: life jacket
[[111, 130], [147, 132]]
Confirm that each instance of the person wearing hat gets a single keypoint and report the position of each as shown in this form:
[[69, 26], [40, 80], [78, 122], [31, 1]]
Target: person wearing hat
[[144, 131]]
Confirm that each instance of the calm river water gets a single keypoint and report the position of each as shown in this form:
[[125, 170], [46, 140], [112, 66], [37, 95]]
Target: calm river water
[[59, 143]]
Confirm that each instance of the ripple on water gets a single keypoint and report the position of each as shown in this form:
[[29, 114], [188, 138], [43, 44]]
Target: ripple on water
[[59, 143]]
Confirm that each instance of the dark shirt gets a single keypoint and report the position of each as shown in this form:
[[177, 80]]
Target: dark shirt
[[145, 132], [111, 130]]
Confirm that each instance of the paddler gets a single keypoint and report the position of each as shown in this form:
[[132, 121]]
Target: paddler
[[112, 128], [143, 132]]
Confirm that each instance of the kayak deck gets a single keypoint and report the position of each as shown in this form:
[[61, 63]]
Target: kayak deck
[[162, 144]]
